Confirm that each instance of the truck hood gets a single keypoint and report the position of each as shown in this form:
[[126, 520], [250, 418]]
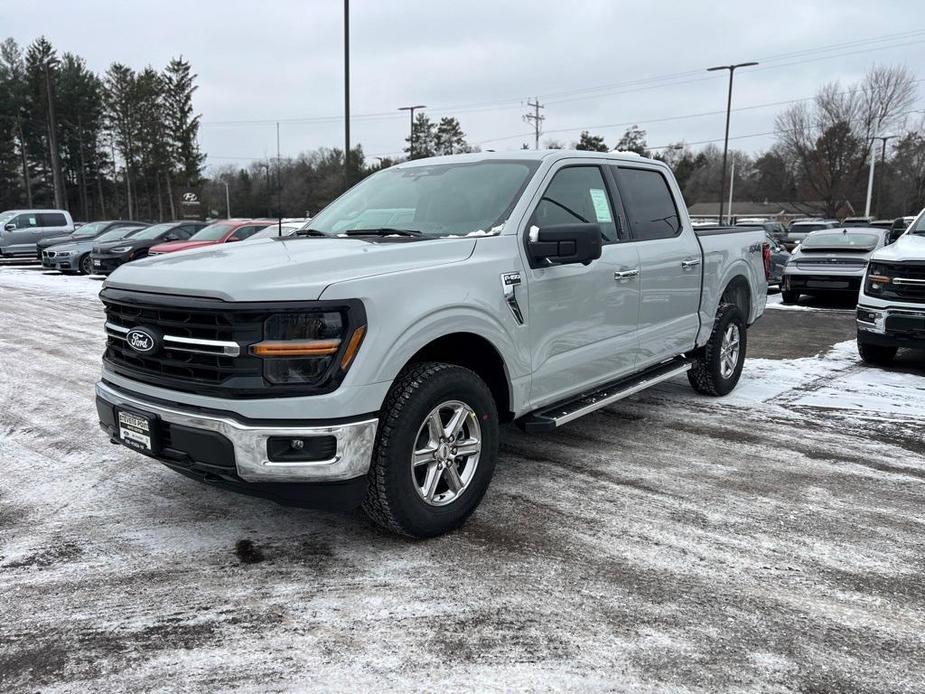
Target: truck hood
[[282, 269], [906, 247]]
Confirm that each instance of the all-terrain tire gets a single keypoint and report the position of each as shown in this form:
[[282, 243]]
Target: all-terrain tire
[[706, 375], [789, 297], [392, 499], [878, 355]]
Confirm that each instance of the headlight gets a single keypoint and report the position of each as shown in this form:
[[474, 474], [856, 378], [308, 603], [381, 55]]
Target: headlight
[[120, 249], [878, 278], [308, 347]]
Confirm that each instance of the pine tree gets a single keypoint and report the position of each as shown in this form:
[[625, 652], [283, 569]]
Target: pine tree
[[591, 143], [182, 125], [633, 140], [449, 137], [423, 133]]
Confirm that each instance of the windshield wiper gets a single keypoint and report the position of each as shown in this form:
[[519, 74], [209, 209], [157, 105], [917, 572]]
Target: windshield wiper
[[383, 231], [309, 232]]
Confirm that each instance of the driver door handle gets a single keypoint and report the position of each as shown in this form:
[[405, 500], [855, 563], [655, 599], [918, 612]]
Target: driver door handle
[[689, 263], [624, 275]]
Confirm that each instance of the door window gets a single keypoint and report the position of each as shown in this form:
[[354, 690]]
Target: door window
[[26, 221], [52, 219], [649, 204], [242, 233], [577, 194]]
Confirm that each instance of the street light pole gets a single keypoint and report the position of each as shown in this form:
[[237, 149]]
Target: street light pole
[[883, 139], [227, 200], [411, 110], [346, 94], [732, 69]]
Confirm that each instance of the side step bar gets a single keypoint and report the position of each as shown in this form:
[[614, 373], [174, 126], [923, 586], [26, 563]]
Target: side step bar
[[553, 416]]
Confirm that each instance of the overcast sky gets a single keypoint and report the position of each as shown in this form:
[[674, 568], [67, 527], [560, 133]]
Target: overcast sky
[[591, 62]]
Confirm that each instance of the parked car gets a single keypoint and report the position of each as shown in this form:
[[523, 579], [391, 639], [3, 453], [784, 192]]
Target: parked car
[[899, 226], [226, 231], [891, 305], [74, 256], [798, 230], [775, 229], [830, 260], [107, 256], [779, 257], [376, 364], [86, 232], [276, 230], [857, 221], [20, 230]]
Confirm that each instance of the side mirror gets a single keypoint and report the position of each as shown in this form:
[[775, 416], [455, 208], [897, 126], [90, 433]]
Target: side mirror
[[10, 227], [564, 244]]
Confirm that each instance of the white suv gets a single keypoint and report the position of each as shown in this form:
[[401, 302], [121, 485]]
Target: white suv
[[20, 230]]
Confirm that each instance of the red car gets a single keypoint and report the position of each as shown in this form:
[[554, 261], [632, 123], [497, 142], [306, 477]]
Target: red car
[[219, 232]]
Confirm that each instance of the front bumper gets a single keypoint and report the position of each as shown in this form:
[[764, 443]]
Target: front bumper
[[103, 265], [235, 451], [61, 263], [891, 326]]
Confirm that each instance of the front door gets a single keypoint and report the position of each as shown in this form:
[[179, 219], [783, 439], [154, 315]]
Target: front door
[[670, 265], [23, 238], [582, 319]]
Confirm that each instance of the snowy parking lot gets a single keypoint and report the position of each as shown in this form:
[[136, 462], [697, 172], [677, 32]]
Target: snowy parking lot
[[771, 540]]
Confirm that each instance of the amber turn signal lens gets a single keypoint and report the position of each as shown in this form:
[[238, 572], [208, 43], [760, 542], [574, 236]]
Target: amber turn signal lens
[[879, 279], [296, 348], [352, 347]]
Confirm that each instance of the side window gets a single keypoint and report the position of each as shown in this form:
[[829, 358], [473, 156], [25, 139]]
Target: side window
[[577, 194], [27, 221], [185, 232], [649, 204], [242, 233], [52, 219]]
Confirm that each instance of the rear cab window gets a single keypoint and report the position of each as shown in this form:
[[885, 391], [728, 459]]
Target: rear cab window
[[648, 202]]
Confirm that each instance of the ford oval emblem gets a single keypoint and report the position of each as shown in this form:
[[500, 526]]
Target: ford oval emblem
[[140, 340]]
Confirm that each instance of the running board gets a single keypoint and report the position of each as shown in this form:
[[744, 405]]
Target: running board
[[553, 416]]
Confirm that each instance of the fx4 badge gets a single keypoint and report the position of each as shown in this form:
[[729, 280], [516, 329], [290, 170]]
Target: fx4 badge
[[509, 283]]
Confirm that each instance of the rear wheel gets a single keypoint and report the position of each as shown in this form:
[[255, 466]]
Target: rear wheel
[[789, 297], [719, 365], [435, 450], [878, 355], [85, 265]]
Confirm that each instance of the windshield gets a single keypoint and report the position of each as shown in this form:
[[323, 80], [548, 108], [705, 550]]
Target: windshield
[[91, 229], [918, 226], [435, 199], [851, 240], [213, 232], [118, 233], [153, 232]]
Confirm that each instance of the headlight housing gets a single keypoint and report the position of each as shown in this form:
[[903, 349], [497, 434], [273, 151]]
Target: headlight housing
[[310, 347], [878, 279], [120, 249]]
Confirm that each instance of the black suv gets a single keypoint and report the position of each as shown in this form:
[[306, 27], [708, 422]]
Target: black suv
[[107, 257]]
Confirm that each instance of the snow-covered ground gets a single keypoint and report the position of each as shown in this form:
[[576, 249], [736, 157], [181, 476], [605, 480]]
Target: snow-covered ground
[[771, 540]]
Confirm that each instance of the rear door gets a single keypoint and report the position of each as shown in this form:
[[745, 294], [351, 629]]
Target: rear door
[[670, 265], [53, 224], [582, 318]]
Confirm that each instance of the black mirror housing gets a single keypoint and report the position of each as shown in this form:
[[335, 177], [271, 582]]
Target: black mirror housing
[[10, 227], [564, 244]]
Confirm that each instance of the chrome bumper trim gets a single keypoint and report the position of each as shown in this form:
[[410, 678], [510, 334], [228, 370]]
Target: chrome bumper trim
[[355, 442]]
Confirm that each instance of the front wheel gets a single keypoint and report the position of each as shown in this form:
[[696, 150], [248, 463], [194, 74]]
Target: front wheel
[[85, 265], [878, 355], [719, 364], [435, 450]]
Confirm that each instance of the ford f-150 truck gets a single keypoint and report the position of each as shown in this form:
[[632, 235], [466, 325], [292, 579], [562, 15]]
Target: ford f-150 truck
[[891, 305], [371, 361]]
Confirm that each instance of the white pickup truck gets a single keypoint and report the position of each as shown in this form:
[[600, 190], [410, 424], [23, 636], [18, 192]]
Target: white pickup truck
[[372, 358]]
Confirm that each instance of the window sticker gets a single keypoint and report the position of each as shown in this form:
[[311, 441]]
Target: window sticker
[[601, 207]]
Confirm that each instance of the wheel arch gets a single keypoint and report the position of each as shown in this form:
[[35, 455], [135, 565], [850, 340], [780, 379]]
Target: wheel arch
[[738, 291]]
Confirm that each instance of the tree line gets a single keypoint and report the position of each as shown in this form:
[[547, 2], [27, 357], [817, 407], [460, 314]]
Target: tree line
[[821, 157], [116, 145]]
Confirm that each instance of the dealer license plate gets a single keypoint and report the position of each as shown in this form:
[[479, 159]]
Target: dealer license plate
[[137, 431]]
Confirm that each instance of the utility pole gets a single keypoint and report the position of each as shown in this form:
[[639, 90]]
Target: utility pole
[[346, 102], [227, 200], [870, 177], [411, 110], [732, 69], [279, 184], [536, 119], [732, 180], [883, 139]]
